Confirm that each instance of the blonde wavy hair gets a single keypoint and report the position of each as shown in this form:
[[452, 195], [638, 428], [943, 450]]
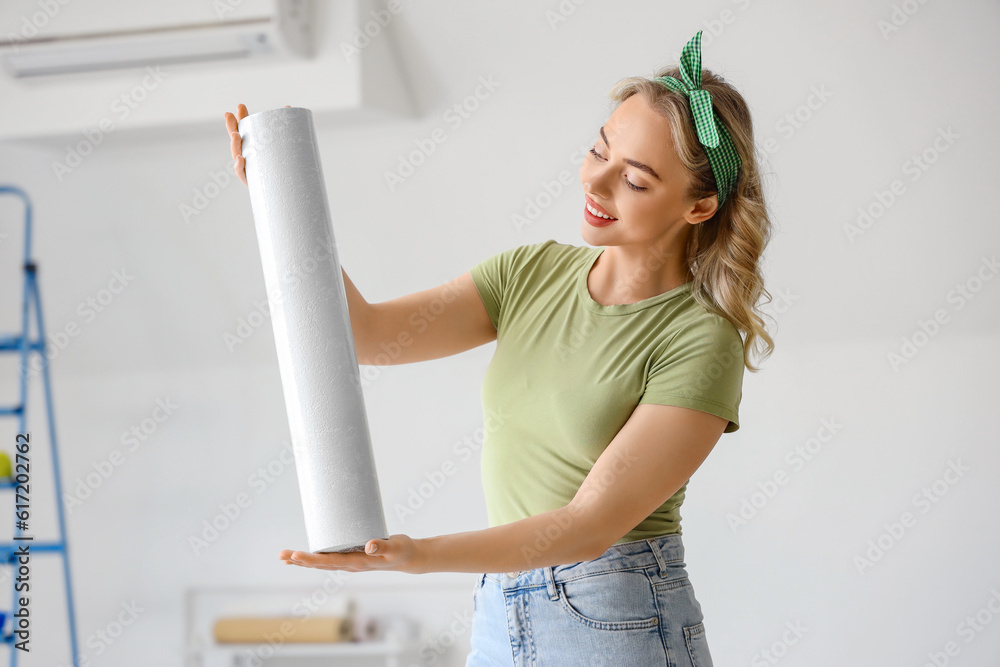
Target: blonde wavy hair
[[723, 252]]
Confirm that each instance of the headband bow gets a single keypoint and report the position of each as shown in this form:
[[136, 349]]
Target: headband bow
[[712, 134]]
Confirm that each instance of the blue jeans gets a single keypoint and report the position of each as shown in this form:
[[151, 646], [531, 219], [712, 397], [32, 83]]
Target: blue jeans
[[632, 606]]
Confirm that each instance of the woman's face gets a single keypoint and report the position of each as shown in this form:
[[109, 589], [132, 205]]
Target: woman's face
[[633, 173]]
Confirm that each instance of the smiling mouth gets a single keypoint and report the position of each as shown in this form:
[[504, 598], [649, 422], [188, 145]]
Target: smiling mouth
[[594, 212], [597, 212]]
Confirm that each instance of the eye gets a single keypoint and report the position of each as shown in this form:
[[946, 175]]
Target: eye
[[594, 152]]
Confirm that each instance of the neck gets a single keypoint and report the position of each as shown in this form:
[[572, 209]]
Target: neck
[[628, 274]]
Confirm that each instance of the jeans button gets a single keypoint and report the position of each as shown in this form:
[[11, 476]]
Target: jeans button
[[513, 575]]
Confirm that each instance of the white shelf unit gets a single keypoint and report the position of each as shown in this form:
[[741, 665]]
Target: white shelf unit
[[414, 617]]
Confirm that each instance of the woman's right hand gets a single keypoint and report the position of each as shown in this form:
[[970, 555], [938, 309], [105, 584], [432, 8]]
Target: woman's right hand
[[236, 141]]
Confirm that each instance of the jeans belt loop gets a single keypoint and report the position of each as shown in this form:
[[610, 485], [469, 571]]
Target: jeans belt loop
[[550, 583], [655, 548]]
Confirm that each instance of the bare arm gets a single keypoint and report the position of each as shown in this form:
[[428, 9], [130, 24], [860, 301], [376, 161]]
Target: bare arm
[[651, 457], [430, 324]]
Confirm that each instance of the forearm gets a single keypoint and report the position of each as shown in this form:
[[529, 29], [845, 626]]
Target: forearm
[[550, 538], [361, 319]]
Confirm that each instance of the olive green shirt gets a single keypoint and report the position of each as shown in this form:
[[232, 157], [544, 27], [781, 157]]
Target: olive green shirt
[[568, 372]]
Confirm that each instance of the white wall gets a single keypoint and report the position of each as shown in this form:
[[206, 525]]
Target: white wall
[[841, 308]]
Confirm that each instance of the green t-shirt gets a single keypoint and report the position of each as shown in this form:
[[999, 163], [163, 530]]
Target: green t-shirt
[[568, 372]]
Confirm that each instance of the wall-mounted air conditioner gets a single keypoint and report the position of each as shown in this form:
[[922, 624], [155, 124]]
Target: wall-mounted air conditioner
[[284, 30], [303, 64]]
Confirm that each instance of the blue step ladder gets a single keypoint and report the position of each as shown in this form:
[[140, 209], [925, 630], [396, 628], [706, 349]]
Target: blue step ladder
[[24, 345]]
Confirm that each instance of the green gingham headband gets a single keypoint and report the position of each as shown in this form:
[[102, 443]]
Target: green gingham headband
[[712, 134]]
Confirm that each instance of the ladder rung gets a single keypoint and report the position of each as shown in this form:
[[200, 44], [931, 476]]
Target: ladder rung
[[8, 550], [13, 344], [7, 342], [12, 410]]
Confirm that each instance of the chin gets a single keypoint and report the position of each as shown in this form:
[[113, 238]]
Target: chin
[[595, 236]]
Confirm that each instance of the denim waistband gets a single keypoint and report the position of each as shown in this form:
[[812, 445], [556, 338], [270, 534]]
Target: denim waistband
[[662, 552]]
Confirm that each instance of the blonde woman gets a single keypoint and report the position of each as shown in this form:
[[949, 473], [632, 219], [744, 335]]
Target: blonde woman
[[617, 369]]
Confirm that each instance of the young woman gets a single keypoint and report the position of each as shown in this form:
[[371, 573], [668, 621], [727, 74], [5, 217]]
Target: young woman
[[617, 369]]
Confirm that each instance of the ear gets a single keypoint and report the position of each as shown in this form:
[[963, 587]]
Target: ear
[[703, 209]]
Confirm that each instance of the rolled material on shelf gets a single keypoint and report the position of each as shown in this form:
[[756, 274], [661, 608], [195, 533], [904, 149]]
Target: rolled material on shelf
[[290, 629], [320, 377]]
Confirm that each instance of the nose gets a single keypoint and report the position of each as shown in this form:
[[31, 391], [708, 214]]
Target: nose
[[598, 194], [596, 182]]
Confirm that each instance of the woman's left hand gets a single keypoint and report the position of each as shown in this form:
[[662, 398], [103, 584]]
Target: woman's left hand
[[399, 552]]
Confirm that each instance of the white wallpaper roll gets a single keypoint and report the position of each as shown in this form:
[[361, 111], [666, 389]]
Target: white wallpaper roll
[[320, 378]]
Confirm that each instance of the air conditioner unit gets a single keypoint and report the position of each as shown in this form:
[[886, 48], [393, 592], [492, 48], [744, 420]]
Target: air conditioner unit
[[284, 31]]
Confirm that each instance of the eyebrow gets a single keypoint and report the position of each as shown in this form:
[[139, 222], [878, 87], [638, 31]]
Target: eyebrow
[[635, 163]]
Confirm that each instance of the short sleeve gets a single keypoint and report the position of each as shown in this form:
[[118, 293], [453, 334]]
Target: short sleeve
[[495, 277], [701, 367]]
